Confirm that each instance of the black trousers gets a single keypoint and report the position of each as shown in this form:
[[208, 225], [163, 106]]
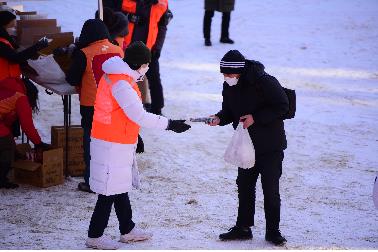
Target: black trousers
[[86, 113], [270, 167], [101, 213], [156, 89], [209, 14], [7, 146]]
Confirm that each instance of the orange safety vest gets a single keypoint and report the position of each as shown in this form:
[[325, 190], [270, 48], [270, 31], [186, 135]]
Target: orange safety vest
[[7, 68], [157, 11], [110, 123], [96, 53]]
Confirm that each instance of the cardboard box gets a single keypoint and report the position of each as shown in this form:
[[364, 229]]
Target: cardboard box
[[29, 33], [76, 164], [47, 174]]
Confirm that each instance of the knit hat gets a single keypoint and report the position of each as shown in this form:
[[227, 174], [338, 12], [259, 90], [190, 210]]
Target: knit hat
[[116, 22], [137, 54], [233, 62], [6, 15]]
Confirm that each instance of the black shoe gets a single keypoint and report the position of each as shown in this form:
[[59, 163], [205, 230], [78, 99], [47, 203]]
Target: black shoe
[[84, 187], [226, 41], [208, 42], [140, 145], [236, 233], [8, 185], [275, 238]]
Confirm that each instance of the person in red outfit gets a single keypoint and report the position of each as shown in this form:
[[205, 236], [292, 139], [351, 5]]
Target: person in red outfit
[[15, 103]]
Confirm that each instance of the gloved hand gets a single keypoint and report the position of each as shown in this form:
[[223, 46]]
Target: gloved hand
[[39, 149], [140, 145], [42, 43], [178, 126]]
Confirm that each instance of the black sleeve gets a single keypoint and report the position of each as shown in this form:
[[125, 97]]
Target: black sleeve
[[277, 103], [225, 114], [17, 57], [77, 68], [162, 32], [115, 5]]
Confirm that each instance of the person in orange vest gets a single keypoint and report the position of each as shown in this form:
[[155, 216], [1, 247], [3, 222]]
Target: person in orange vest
[[17, 101], [93, 49], [148, 20], [10, 59], [117, 119]]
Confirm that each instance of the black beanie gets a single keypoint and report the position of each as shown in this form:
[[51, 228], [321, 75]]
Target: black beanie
[[233, 62], [6, 16], [116, 22], [137, 54], [120, 25]]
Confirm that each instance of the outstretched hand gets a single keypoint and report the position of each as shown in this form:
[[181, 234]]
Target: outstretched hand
[[178, 126], [215, 120], [247, 121]]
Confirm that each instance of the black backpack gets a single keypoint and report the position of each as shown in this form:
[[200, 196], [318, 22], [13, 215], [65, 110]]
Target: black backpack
[[291, 96]]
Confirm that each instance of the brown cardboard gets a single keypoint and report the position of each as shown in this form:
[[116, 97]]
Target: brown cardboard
[[47, 174], [36, 23], [76, 165], [28, 34]]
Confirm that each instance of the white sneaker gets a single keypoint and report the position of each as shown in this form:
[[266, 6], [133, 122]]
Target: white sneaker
[[135, 235], [102, 242]]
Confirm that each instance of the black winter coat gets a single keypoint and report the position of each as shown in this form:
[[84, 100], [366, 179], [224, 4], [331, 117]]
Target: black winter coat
[[261, 95]]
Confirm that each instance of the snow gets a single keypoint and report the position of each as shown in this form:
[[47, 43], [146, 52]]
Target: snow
[[326, 50]]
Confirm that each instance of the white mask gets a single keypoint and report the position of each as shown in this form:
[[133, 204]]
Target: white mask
[[142, 71], [231, 81]]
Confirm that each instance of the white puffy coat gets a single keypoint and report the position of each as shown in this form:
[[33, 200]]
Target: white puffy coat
[[113, 168]]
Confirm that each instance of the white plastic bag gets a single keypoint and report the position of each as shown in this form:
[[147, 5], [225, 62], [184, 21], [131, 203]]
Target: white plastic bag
[[240, 151], [375, 192], [48, 70]]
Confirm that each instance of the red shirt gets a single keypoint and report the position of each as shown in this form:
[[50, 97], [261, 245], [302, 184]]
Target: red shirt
[[15, 104]]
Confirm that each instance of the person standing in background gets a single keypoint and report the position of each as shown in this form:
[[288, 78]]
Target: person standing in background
[[93, 49], [224, 6], [148, 20]]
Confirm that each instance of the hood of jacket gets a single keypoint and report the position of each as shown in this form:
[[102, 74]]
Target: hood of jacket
[[253, 70], [115, 65], [93, 30]]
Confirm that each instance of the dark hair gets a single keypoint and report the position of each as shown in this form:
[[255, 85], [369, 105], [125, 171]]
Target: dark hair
[[32, 94]]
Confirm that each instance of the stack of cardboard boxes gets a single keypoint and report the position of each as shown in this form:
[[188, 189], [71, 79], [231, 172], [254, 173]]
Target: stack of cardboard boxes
[[76, 164]]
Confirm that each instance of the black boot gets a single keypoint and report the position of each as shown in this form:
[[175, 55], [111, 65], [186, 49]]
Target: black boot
[[275, 238], [236, 233], [82, 186], [8, 185], [208, 42], [226, 40], [140, 145]]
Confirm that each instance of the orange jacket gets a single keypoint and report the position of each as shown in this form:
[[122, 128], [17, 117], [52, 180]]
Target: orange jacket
[[157, 11], [110, 123], [8, 69], [96, 54]]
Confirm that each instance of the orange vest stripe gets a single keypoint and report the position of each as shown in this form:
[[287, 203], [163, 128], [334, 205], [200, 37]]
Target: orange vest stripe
[[110, 123], [157, 11], [96, 54], [8, 69]]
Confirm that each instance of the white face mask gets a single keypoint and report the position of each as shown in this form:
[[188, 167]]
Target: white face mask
[[231, 81], [142, 71]]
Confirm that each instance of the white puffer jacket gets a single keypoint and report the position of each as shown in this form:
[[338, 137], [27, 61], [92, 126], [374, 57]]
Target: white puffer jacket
[[113, 165]]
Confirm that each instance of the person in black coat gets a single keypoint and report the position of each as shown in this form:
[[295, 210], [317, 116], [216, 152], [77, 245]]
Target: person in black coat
[[256, 99]]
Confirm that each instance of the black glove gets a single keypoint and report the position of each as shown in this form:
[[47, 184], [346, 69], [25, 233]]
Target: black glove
[[140, 145], [178, 126], [42, 43], [42, 146]]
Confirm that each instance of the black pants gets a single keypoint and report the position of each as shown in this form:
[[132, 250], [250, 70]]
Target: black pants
[[7, 146], [156, 89], [101, 213], [226, 17], [270, 167], [86, 113]]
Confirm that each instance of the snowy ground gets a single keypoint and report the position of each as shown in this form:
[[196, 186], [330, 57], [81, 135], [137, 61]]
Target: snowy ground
[[326, 50]]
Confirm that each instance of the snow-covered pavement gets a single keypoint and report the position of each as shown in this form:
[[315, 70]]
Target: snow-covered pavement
[[326, 50]]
